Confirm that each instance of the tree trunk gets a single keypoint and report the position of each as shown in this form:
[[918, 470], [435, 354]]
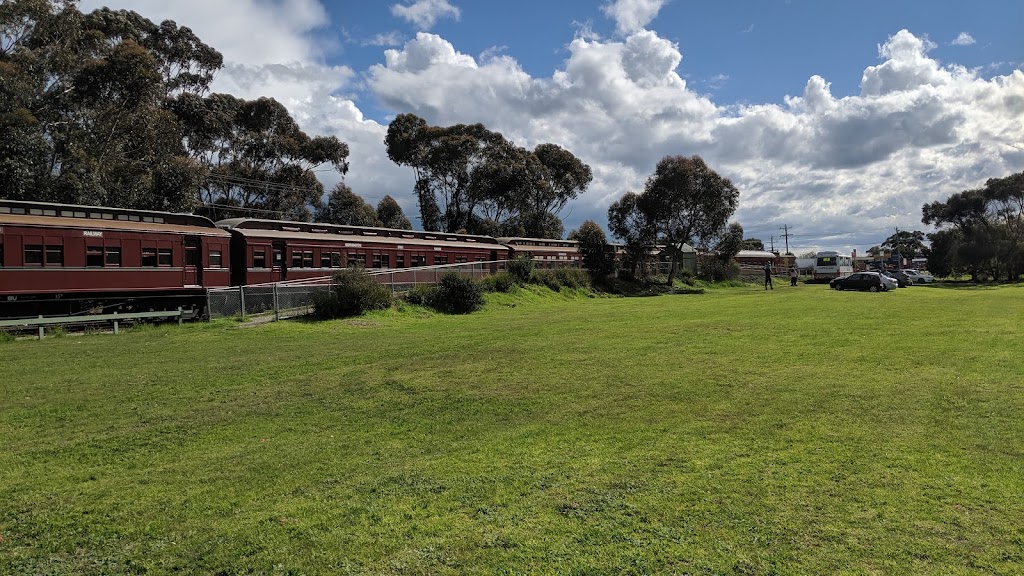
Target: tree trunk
[[671, 270]]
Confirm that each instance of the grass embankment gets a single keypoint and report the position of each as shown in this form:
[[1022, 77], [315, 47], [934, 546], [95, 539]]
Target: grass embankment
[[740, 431]]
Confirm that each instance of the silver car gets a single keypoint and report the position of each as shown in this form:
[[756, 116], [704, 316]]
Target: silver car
[[919, 277]]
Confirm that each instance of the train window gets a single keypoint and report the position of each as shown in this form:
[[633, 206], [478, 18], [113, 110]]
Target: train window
[[158, 220], [5, 210], [400, 261], [296, 259], [54, 255], [35, 212], [191, 256], [307, 259], [325, 259], [335, 259], [33, 254], [113, 256], [215, 259], [133, 218], [357, 260], [94, 256], [95, 215], [419, 260], [122, 216], [376, 260], [149, 257], [147, 219], [460, 259], [108, 216], [440, 260], [259, 258], [163, 257], [19, 211], [278, 257]]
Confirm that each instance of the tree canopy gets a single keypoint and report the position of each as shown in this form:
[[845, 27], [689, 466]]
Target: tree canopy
[[981, 231], [684, 201], [109, 108], [470, 178], [598, 257], [908, 244], [343, 206]]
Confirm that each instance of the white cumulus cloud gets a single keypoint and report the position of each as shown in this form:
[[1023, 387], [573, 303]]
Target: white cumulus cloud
[[632, 15], [426, 13], [964, 39]]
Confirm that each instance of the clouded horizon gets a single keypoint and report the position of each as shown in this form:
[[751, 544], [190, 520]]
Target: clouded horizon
[[842, 170]]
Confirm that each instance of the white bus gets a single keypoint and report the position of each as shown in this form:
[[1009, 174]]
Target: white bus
[[830, 264]]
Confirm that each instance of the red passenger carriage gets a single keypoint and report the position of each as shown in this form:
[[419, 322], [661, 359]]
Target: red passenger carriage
[[266, 251], [65, 259]]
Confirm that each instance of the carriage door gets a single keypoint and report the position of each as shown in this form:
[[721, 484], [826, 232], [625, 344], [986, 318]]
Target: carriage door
[[278, 270], [193, 262]]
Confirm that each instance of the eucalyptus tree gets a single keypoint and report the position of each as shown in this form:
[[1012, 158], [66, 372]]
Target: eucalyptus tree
[[683, 202]]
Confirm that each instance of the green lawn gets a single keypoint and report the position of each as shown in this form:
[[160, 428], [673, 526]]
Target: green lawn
[[797, 431]]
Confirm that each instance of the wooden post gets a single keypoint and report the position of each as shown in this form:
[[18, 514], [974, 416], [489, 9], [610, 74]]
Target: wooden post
[[277, 309], [179, 315], [241, 301], [41, 328], [115, 323]]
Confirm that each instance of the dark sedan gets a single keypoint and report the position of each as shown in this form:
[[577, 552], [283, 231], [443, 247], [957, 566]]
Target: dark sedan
[[870, 281]]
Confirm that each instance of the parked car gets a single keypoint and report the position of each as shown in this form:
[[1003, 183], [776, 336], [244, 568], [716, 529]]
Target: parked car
[[889, 282], [902, 280], [871, 281], [919, 277]]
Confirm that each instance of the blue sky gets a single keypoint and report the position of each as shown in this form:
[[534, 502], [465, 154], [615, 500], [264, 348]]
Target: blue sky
[[839, 119]]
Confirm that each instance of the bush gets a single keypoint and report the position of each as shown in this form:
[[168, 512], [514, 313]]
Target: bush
[[458, 294], [575, 278], [6, 336], [421, 295], [546, 278], [714, 270], [353, 292], [500, 282], [521, 268]]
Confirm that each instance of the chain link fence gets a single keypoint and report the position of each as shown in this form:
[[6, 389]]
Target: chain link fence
[[295, 298]]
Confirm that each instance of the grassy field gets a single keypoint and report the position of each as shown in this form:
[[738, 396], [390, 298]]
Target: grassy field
[[796, 431]]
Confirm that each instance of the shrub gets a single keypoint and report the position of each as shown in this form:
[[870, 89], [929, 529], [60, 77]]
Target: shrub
[[421, 295], [500, 282], [353, 292], [547, 278], [6, 336], [521, 268], [458, 294], [575, 278], [714, 270]]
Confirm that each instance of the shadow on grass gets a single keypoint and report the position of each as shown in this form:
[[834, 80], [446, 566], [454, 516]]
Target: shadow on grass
[[966, 285]]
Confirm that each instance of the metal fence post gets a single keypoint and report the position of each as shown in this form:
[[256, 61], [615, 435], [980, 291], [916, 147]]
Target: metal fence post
[[277, 308], [209, 308], [241, 301], [115, 323], [40, 328], [179, 315]]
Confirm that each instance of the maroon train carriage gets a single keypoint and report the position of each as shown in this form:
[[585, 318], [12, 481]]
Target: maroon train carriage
[[64, 259], [264, 251], [546, 253]]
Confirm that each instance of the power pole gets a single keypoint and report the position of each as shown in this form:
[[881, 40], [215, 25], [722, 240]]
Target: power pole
[[771, 239], [785, 227]]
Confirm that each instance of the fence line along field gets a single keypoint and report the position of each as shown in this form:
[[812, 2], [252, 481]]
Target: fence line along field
[[794, 431]]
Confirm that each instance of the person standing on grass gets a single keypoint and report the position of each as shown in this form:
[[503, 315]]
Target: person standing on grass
[[768, 276], [793, 276]]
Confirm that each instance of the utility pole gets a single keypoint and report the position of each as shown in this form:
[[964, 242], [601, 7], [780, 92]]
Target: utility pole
[[785, 227], [771, 239]]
